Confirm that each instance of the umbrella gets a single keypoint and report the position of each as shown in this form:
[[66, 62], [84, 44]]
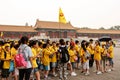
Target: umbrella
[[105, 38]]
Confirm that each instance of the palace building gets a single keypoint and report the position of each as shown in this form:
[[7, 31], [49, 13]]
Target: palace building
[[54, 30], [15, 32], [95, 33]]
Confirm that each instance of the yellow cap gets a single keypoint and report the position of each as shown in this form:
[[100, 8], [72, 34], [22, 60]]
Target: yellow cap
[[103, 43], [7, 45]]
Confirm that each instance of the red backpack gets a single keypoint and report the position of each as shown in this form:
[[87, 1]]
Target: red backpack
[[20, 59]]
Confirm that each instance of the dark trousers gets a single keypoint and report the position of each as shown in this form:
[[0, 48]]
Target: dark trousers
[[25, 72], [91, 61]]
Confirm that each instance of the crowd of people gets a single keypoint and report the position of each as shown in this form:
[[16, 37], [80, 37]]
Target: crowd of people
[[44, 58]]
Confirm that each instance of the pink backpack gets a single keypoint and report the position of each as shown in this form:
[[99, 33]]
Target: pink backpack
[[20, 59]]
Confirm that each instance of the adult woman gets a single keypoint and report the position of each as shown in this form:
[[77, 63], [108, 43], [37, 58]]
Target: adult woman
[[27, 52]]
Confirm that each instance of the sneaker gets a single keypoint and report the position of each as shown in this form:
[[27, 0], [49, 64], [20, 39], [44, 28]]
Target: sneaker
[[94, 71], [86, 74], [78, 68], [82, 71], [45, 78], [73, 74], [113, 69], [99, 72], [66, 73], [109, 70], [60, 78], [55, 75], [64, 77]]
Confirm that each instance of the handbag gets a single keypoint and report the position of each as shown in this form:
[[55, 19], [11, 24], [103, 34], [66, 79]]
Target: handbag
[[11, 69], [38, 61], [108, 55], [51, 55], [87, 55], [75, 58]]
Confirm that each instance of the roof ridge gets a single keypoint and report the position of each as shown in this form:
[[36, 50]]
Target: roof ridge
[[52, 22], [15, 25]]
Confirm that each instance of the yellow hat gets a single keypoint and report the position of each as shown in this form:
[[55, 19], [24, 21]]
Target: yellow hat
[[7, 45], [16, 42], [103, 43]]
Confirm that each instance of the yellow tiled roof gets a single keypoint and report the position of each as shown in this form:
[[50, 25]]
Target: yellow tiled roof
[[98, 31], [14, 28], [53, 25]]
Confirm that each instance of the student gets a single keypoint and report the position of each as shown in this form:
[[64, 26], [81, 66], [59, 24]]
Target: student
[[77, 48], [73, 59], [62, 65], [97, 57], [39, 50], [69, 65], [91, 61], [85, 60], [103, 57], [72, 43], [68, 44], [6, 58], [82, 52], [54, 58], [46, 59], [34, 46], [111, 56], [1, 48], [14, 51], [89, 52]]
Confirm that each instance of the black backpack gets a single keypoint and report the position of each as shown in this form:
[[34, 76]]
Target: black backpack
[[64, 55]]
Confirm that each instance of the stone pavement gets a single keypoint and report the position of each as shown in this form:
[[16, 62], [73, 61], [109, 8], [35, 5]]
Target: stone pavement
[[113, 75]]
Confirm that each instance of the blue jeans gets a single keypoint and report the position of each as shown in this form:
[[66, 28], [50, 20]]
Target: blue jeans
[[25, 72], [110, 61]]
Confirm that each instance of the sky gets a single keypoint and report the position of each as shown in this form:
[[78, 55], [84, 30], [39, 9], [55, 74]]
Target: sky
[[81, 13]]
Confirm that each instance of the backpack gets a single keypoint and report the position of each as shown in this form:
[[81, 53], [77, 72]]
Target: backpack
[[20, 58], [64, 55]]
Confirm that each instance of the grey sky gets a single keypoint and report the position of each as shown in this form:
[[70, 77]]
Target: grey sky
[[81, 13]]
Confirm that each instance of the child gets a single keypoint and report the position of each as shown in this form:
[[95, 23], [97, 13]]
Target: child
[[46, 59], [73, 59], [97, 57], [6, 58], [104, 57], [111, 55], [54, 58], [34, 46]]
